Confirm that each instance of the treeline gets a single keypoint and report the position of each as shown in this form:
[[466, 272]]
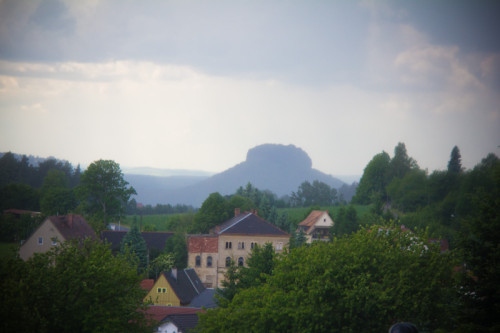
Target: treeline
[[399, 189]]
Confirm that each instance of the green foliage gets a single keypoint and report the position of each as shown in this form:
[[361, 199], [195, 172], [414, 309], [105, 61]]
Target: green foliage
[[134, 243], [19, 196], [260, 265], [14, 228], [104, 192], [163, 263], [176, 245], [345, 221], [409, 193], [374, 180], [479, 242], [361, 283], [75, 287], [455, 163], [315, 194], [212, 212]]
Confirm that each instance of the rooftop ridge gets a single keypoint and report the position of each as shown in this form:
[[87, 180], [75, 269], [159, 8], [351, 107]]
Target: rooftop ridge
[[235, 223]]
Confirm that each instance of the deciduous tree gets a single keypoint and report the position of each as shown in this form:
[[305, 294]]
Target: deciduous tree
[[103, 192]]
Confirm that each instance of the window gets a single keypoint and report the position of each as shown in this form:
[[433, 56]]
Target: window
[[252, 245], [228, 261], [158, 290], [198, 261], [164, 290], [241, 245], [279, 246], [228, 245], [40, 240], [209, 261], [54, 241], [240, 261]]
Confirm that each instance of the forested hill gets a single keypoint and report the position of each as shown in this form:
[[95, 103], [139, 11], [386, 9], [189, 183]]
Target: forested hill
[[278, 168]]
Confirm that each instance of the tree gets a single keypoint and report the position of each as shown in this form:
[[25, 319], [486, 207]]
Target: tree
[[176, 245], [163, 263], [360, 283], [315, 194], [55, 195], [211, 213], [134, 243], [345, 222], [75, 287], [401, 163], [104, 192], [479, 235], [19, 196], [374, 180], [455, 163]]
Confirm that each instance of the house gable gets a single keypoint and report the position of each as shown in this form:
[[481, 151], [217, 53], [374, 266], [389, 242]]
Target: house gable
[[55, 230], [162, 293]]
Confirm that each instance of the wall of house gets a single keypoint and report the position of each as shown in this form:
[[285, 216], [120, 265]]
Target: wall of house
[[207, 274], [48, 232], [166, 295], [241, 246]]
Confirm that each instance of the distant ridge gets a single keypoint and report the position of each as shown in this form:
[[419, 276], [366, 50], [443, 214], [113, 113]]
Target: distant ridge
[[278, 168]]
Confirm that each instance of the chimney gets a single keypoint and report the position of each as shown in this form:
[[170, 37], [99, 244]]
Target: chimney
[[174, 273], [236, 211]]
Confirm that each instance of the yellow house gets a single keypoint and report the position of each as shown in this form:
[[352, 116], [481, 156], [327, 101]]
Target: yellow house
[[175, 288], [316, 226]]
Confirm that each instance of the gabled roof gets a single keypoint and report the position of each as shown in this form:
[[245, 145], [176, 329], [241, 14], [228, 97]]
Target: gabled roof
[[249, 224], [184, 322], [72, 226], [154, 240], [185, 283], [311, 219], [160, 312]]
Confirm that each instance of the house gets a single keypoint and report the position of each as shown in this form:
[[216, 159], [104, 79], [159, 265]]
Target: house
[[174, 319], [155, 241], [175, 288], [232, 240], [316, 226], [54, 230]]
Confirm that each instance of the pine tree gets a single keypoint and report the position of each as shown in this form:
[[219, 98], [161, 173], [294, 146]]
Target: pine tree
[[134, 243], [455, 163]]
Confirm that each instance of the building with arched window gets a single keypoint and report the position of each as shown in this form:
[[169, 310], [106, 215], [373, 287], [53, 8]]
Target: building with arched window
[[232, 240]]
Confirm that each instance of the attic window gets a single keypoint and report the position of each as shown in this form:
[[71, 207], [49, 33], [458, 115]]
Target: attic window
[[54, 241], [40, 240], [164, 290], [209, 261], [198, 261], [159, 290]]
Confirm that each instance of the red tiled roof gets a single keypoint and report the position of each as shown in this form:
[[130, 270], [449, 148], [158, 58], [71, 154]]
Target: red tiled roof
[[312, 218], [159, 312], [203, 244], [147, 284], [72, 226]]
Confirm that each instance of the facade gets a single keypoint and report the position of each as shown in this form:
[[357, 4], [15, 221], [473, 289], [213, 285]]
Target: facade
[[55, 230], [316, 226], [232, 240]]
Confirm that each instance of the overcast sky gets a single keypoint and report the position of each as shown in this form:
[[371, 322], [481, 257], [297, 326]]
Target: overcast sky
[[195, 84]]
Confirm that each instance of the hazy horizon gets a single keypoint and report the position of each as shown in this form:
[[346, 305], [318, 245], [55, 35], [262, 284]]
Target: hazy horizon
[[195, 85]]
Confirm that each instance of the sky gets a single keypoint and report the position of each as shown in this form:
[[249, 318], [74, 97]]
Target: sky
[[196, 84]]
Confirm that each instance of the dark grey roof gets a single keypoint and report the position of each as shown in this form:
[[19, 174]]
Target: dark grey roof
[[249, 224], [187, 285], [205, 300], [154, 240], [184, 322], [72, 226]]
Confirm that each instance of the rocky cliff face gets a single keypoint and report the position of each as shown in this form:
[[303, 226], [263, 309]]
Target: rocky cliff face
[[274, 167]]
